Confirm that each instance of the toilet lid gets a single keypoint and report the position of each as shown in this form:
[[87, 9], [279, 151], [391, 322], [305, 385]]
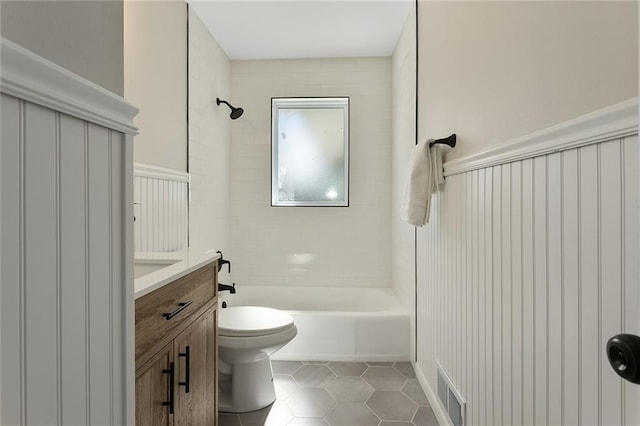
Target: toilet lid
[[248, 321]]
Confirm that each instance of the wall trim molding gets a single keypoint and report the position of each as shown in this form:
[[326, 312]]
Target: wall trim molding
[[27, 76], [613, 122], [434, 401], [157, 172]]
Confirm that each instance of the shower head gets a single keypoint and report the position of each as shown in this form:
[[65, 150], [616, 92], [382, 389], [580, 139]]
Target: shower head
[[235, 112]]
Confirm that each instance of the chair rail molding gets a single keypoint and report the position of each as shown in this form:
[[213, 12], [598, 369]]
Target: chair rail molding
[[156, 172], [32, 78], [613, 122]]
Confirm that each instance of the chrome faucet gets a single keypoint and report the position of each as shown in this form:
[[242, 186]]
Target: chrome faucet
[[224, 287]]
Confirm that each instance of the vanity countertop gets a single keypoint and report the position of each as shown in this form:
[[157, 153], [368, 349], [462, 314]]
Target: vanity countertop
[[186, 261]]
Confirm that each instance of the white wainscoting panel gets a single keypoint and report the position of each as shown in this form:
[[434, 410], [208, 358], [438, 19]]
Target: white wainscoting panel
[[525, 271], [161, 209], [66, 300]]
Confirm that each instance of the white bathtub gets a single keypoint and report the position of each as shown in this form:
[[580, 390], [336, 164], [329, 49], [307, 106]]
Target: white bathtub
[[335, 323]]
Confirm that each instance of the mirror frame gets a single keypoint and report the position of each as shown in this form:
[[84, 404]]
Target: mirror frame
[[277, 104]]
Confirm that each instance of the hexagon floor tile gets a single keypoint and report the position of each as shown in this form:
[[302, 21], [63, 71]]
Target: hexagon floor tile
[[348, 368], [313, 376], [310, 402], [277, 414], [425, 417], [392, 405], [341, 394], [349, 389], [307, 421], [384, 378], [285, 367], [413, 390], [352, 414], [406, 369], [285, 385]]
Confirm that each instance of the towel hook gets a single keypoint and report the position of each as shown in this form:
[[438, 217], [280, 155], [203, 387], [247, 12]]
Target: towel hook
[[450, 141]]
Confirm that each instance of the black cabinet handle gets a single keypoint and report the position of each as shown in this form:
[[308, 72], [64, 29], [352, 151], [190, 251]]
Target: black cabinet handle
[[171, 373], [623, 351], [181, 306], [187, 368]]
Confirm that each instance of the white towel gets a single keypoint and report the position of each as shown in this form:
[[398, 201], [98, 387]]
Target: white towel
[[424, 177]]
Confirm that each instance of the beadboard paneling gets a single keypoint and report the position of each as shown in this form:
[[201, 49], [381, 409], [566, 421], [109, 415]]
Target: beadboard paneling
[[161, 209], [64, 300], [526, 270]]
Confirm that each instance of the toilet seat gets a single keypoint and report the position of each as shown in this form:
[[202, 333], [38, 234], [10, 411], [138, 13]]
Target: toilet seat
[[253, 321]]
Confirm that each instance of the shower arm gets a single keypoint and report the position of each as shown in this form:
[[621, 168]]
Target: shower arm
[[222, 101]]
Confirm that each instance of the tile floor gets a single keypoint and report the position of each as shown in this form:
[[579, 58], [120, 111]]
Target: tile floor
[[341, 394]]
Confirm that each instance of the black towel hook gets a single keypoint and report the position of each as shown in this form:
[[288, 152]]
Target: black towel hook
[[450, 141]]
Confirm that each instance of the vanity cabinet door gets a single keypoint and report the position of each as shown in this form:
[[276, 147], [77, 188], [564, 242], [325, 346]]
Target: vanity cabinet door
[[154, 394], [195, 355]]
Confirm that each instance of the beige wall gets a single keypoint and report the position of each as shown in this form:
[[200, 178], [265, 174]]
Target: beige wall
[[84, 37], [494, 71], [155, 79], [403, 117], [209, 140], [306, 246]]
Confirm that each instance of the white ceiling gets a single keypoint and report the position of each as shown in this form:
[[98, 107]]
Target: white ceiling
[[269, 29]]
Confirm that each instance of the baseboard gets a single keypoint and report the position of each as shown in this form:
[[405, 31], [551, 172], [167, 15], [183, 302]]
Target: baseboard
[[339, 358], [434, 401]]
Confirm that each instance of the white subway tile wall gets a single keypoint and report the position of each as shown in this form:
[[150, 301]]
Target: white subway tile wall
[[209, 137], [333, 246], [403, 77]]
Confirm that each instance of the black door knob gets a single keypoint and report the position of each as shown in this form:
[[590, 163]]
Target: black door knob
[[623, 351]]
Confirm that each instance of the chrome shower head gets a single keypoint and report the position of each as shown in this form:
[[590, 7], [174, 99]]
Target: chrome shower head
[[235, 112]]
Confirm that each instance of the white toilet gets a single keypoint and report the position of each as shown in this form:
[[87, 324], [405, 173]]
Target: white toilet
[[247, 336]]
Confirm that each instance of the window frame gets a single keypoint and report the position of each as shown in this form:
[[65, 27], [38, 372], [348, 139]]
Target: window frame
[[279, 103]]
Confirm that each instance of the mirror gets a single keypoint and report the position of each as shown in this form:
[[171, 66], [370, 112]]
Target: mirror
[[310, 152]]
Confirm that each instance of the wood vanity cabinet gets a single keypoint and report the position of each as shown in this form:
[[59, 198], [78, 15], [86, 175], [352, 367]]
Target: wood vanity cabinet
[[176, 352]]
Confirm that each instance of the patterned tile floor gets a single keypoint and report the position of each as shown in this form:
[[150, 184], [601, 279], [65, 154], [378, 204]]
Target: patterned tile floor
[[341, 394]]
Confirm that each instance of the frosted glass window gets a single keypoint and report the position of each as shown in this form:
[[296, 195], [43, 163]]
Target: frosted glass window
[[310, 152]]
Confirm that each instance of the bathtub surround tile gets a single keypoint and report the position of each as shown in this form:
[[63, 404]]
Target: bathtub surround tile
[[384, 378], [349, 368], [349, 389], [313, 376], [285, 367], [310, 402], [315, 362], [392, 405], [406, 369], [347, 234], [340, 400]]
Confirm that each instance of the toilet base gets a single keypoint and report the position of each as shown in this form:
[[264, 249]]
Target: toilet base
[[251, 387]]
